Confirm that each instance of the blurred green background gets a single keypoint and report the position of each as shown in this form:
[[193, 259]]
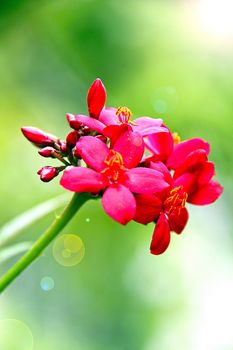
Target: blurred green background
[[160, 58]]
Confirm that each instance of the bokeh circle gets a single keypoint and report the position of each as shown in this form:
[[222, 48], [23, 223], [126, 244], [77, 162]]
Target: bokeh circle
[[15, 335], [68, 250]]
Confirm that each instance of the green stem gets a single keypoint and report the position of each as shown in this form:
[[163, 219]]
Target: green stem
[[58, 224]]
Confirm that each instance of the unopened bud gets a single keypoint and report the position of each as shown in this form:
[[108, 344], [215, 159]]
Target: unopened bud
[[47, 173], [96, 98], [72, 138], [47, 152], [74, 124], [102, 138], [85, 130], [38, 137], [63, 146]]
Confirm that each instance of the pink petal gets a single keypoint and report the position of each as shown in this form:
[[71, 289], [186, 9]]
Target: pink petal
[[108, 116], [162, 168], [119, 203], [93, 151], [145, 180], [160, 144], [131, 146], [96, 98], [92, 123], [147, 125], [183, 149], [178, 219], [78, 179], [161, 236], [148, 208], [206, 194]]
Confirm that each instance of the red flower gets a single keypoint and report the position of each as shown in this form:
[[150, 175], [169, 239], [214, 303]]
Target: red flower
[[192, 182], [113, 170]]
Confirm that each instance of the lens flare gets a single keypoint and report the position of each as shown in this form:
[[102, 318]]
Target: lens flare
[[47, 283], [68, 250], [15, 335]]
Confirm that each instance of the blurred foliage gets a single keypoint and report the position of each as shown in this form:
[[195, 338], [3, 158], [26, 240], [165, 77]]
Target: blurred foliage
[[154, 59]]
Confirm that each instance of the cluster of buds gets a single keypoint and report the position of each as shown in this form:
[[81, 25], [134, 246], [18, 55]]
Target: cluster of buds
[[141, 170]]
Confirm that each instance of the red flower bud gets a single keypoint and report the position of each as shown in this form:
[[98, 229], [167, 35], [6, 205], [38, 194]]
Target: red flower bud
[[102, 138], [47, 173], [96, 98], [47, 152], [72, 138], [74, 124], [63, 146], [38, 137]]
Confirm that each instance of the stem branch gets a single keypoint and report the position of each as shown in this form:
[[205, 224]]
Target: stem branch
[[58, 224]]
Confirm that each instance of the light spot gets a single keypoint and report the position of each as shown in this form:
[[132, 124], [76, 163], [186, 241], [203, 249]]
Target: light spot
[[15, 335], [164, 99], [160, 106], [68, 250], [88, 219], [47, 283], [137, 141]]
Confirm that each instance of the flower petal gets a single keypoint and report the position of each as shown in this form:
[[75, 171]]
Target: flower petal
[[78, 179], [161, 236], [183, 149], [76, 120], [145, 180], [147, 125], [93, 151], [188, 181], [108, 116], [115, 131], [131, 146], [148, 208], [119, 203], [191, 162], [96, 98], [206, 194], [178, 219], [205, 173], [161, 167], [160, 144]]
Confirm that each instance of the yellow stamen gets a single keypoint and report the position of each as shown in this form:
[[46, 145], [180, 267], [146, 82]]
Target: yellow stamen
[[176, 200], [176, 138]]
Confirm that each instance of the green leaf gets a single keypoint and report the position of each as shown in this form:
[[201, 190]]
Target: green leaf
[[9, 252], [14, 227]]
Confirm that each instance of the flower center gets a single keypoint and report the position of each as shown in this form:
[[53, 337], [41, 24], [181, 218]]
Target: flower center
[[176, 138], [124, 114], [114, 169], [176, 200]]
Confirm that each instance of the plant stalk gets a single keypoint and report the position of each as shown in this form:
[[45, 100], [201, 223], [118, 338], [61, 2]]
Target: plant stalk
[[58, 224]]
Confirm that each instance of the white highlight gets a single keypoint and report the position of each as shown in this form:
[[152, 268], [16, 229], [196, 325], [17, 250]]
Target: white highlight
[[216, 17]]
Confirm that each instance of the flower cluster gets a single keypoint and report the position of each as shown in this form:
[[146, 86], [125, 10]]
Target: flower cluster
[[142, 171]]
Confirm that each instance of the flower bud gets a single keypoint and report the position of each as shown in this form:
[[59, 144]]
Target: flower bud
[[72, 138], [63, 146], [74, 124], [47, 152], [38, 137], [96, 98], [102, 138], [47, 173], [86, 130]]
